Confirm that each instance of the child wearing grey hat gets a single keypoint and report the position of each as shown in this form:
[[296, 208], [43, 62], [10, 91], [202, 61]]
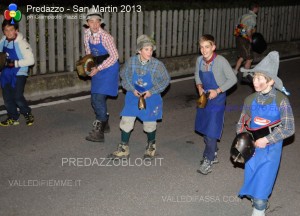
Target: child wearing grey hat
[[144, 78], [268, 117], [266, 65]]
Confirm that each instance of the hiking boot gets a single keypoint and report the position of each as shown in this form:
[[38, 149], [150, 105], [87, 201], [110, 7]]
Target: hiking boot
[[239, 76], [106, 125], [97, 134], [29, 118], [214, 161], [121, 152], [9, 122], [205, 167], [150, 150]]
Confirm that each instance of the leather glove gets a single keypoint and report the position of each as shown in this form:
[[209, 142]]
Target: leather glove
[[10, 63]]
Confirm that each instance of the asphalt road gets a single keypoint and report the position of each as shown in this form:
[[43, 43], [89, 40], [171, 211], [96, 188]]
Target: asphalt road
[[50, 169]]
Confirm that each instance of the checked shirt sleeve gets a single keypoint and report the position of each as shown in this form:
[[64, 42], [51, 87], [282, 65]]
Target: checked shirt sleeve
[[86, 42], [161, 79], [126, 75], [109, 45], [287, 127]]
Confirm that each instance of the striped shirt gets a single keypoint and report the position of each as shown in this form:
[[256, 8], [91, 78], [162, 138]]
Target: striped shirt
[[287, 127], [108, 43], [159, 74]]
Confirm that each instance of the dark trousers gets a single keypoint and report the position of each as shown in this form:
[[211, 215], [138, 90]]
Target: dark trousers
[[100, 107], [14, 98], [210, 148]]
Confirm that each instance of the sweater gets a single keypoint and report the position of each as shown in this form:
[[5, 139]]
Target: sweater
[[23, 50], [222, 71]]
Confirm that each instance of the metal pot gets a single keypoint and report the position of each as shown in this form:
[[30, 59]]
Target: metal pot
[[242, 148]]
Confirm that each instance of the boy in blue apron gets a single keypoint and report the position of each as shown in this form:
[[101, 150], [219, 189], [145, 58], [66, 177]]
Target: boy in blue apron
[[142, 76], [214, 75], [268, 116], [105, 75], [14, 75]]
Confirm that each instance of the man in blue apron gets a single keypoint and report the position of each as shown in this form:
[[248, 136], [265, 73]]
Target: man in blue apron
[[215, 76], [144, 78], [271, 121], [14, 75], [104, 76]]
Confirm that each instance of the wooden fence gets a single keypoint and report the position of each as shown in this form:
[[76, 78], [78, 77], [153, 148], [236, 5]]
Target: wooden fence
[[57, 40]]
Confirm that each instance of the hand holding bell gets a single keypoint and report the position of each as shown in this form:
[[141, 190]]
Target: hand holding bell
[[2, 60], [202, 101], [84, 65], [142, 102]]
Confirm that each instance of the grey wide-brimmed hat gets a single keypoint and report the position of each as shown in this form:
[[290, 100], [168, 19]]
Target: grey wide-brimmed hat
[[268, 66], [94, 14], [144, 40]]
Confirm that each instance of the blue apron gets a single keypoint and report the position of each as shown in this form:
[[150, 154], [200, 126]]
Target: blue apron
[[261, 170], [9, 75], [105, 81], [153, 111], [209, 120]]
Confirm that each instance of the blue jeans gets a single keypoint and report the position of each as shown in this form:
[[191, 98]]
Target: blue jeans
[[210, 148], [99, 106], [14, 98]]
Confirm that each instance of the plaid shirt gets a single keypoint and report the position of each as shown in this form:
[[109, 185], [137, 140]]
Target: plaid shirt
[[159, 74], [108, 43], [287, 127]]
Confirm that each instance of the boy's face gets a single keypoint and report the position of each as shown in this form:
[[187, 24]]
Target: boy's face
[[94, 24], [261, 84], [256, 9], [207, 49], [146, 53], [10, 32]]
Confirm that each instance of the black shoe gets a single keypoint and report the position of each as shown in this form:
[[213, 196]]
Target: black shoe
[[9, 122], [150, 150], [239, 76], [29, 119], [97, 134], [106, 127]]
